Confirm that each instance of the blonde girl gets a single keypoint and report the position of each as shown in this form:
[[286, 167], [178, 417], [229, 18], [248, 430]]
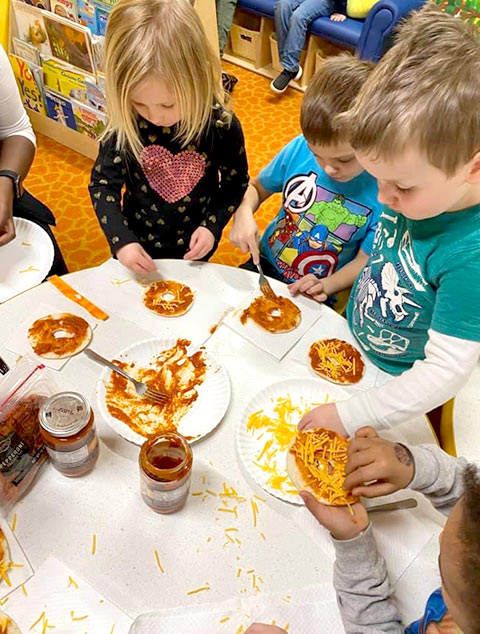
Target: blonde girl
[[172, 167]]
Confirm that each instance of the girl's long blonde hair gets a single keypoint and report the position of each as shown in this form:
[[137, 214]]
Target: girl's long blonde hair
[[146, 38]]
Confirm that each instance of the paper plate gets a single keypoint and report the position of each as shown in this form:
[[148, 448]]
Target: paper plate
[[206, 412], [305, 393], [31, 252]]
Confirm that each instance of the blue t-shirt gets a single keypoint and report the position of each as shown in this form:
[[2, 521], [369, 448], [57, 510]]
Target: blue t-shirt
[[421, 274], [322, 223], [436, 619]]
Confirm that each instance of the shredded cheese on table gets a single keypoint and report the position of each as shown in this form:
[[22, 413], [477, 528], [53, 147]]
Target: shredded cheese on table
[[157, 559]]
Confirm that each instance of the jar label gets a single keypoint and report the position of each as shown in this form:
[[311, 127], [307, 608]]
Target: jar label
[[69, 458], [164, 499]]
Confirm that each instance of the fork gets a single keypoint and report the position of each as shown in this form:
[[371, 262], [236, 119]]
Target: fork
[[265, 287], [140, 388], [408, 503]]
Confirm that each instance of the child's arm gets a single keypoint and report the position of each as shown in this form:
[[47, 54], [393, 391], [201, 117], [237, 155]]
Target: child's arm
[[360, 575], [431, 382], [321, 289], [389, 467], [107, 181], [244, 233]]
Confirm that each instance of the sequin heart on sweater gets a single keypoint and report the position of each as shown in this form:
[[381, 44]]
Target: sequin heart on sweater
[[172, 176]]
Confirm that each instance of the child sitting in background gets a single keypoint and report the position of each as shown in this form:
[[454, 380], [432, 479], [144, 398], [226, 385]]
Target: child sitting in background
[[360, 575], [415, 126], [330, 209], [292, 19], [169, 140]]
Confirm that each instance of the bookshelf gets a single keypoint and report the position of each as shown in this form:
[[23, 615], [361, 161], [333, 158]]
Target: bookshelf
[[78, 142]]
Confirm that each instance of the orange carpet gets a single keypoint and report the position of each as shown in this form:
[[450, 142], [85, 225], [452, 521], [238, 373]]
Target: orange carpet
[[59, 176]]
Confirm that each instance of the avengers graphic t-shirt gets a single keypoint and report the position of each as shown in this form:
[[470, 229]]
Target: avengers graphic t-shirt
[[436, 619], [322, 223], [421, 274]]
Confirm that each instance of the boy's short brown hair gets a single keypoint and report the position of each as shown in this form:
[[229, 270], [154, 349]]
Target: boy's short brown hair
[[470, 537], [331, 92], [423, 92]]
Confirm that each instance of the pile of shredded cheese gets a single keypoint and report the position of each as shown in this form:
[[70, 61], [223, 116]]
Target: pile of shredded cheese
[[279, 432], [321, 456]]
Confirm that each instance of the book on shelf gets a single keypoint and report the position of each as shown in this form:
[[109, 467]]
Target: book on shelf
[[31, 26], [88, 120], [26, 51], [67, 80], [69, 42], [87, 15], [40, 4], [59, 108], [29, 82], [65, 9]]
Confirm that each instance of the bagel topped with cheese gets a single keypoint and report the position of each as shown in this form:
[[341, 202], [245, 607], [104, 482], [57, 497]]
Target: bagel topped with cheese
[[273, 315], [168, 298], [316, 462], [336, 360], [7, 626]]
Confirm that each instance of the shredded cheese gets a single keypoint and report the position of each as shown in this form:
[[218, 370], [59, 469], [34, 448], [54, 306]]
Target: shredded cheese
[[224, 619], [94, 544], [42, 616], [14, 522], [157, 559], [77, 618], [200, 589], [72, 582]]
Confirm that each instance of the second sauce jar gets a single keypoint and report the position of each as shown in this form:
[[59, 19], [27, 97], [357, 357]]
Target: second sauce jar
[[165, 470]]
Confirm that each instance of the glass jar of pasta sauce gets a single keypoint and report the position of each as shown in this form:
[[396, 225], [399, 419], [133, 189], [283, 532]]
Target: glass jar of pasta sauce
[[165, 469], [68, 431]]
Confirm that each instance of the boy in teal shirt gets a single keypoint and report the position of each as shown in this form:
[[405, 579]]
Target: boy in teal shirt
[[326, 225], [415, 309]]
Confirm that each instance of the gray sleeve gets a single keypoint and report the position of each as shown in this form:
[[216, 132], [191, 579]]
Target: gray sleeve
[[438, 476], [363, 587]]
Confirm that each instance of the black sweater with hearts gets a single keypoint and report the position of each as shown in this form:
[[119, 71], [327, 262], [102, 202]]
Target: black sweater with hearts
[[160, 201]]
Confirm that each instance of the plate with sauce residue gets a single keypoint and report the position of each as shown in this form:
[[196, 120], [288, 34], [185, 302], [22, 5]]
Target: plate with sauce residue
[[268, 426], [200, 417]]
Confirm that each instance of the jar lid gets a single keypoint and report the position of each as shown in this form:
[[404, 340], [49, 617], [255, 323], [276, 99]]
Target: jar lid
[[64, 414]]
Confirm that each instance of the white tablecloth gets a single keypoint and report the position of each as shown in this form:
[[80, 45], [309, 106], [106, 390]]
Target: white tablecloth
[[59, 516]]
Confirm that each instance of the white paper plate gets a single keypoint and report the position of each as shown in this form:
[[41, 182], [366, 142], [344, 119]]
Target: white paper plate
[[206, 412], [16, 257], [307, 393]]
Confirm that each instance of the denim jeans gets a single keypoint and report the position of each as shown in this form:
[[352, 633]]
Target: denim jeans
[[292, 19]]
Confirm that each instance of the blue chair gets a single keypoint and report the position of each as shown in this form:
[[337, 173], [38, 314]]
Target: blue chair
[[369, 37]]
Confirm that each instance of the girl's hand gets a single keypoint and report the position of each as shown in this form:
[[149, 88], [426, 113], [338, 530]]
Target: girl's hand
[[338, 519], [388, 466], [244, 232], [338, 17], [135, 258], [261, 628], [310, 285], [201, 243], [324, 416]]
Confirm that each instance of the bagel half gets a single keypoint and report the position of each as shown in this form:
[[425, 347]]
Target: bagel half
[[156, 298], [7, 626], [336, 361], [59, 336], [316, 462], [273, 315]]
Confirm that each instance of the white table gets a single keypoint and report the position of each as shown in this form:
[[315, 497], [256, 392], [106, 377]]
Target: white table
[[59, 515]]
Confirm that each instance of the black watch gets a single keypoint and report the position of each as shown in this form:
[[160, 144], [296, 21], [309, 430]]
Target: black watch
[[15, 178]]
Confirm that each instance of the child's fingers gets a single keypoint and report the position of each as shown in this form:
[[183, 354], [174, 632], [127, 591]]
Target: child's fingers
[[359, 444], [254, 250], [366, 432], [374, 490], [146, 262], [359, 459], [302, 286], [7, 232]]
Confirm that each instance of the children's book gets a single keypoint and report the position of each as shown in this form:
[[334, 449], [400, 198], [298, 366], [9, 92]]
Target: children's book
[[31, 26], [87, 15], [69, 42], [26, 51], [88, 120], [96, 97], [41, 4], [102, 17], [65, 9], [98, 47], [29, 81], [67, 80], [59, 108]]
